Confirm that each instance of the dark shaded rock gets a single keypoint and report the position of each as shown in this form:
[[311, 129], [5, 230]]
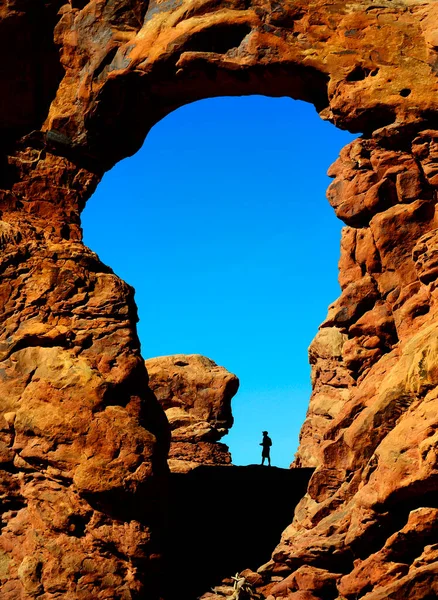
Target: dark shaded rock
[[223, 519]]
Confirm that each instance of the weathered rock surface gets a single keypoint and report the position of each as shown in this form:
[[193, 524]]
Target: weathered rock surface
[[83, 444], [196, 396], [75, 459]]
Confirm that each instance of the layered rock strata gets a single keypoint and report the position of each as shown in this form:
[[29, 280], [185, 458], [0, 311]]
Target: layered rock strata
[[195, 394], [83, 444]]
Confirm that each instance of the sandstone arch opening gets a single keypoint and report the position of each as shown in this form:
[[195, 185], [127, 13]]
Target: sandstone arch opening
[[226, 235]]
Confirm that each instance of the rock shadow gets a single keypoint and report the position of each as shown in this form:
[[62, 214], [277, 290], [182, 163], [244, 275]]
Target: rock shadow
[[225, 519]]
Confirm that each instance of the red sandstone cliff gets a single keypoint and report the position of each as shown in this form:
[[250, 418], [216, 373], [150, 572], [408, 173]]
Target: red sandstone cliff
[[83, 444]]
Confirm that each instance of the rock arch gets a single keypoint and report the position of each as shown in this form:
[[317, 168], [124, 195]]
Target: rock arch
[[79, 428]]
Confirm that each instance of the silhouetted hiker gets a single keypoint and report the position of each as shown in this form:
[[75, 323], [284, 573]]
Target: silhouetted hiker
[[266, 451]]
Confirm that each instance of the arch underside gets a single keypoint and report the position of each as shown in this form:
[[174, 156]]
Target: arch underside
[[83, 442]]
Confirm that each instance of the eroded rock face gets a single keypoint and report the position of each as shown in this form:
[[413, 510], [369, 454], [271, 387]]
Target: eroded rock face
[[82, 84], [76, 459], [196, 396], [370, 511]]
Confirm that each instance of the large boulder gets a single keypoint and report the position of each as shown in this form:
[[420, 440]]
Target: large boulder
[[196, 396]]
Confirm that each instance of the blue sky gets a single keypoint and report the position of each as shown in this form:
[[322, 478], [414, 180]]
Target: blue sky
[[221, 224]]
